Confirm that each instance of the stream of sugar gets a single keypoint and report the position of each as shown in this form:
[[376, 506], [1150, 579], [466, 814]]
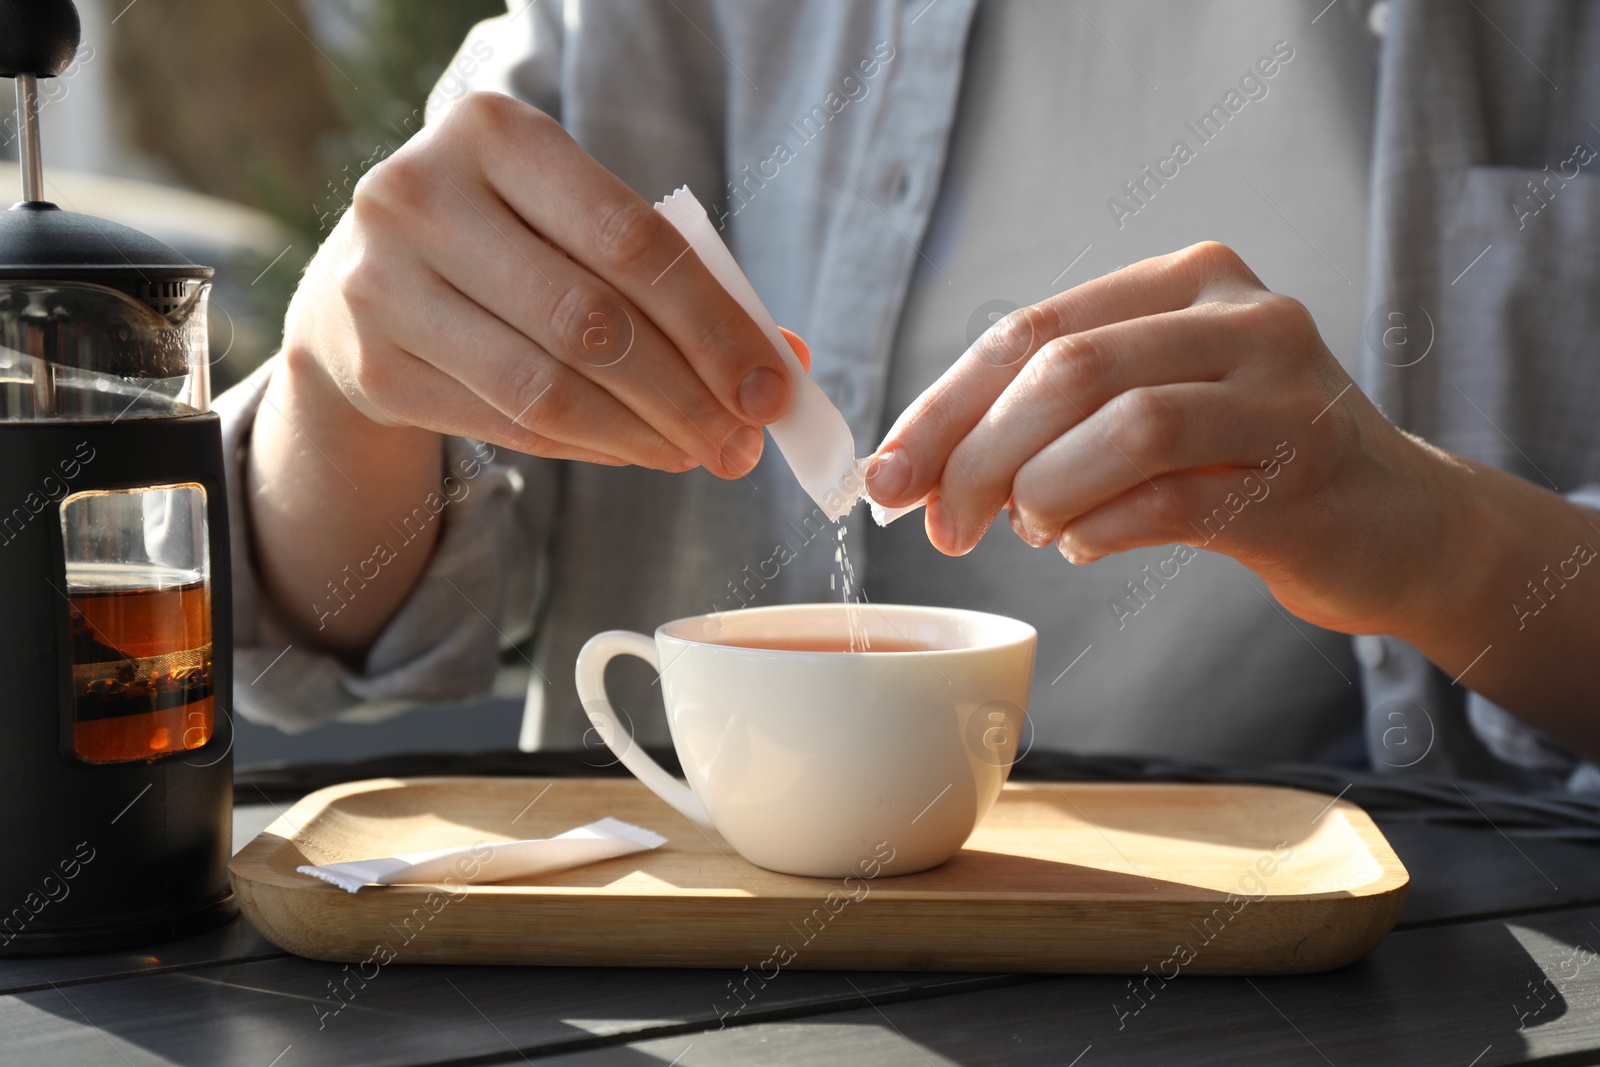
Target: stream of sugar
[[859, 641]]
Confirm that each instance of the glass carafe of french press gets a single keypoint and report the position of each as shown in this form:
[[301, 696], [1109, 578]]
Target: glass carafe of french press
[[115, 774]]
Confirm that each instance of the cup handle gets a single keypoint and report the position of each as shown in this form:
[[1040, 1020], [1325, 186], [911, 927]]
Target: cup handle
[[598, 651]]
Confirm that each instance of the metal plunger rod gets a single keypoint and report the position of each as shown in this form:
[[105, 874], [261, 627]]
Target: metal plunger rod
[[44, 392], [28, 123]]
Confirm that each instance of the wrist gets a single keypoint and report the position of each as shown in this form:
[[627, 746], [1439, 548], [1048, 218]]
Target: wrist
[[309, 399], [322, 483], [1466, 545]]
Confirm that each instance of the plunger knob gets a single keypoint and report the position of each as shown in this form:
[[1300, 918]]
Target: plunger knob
[[38, 37]]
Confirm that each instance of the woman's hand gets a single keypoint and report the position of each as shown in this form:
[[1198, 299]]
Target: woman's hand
[[1178, 400], [492, 280]]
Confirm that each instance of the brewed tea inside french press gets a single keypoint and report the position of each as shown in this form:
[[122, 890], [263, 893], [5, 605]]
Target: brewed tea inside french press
[[136, 568]]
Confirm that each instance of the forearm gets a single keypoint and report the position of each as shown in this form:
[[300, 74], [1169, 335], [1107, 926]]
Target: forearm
[[1509, 604], [327, 489]]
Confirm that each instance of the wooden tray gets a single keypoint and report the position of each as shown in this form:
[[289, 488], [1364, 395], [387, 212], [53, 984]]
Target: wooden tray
[[1068, 877]]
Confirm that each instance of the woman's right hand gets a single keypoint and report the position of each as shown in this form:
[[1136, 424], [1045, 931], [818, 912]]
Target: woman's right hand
[[492, 280]]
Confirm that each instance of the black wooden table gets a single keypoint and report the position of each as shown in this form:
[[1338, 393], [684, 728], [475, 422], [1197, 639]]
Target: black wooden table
[[1494, 962]]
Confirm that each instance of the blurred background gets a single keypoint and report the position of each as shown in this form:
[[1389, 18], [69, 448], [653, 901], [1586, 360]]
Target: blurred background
[[234, 131]]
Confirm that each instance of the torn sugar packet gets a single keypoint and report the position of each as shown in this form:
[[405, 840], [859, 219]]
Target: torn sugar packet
[[493, 861], [813, 436], [881, 515]]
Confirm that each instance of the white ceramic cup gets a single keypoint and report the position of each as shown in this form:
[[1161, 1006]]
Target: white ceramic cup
[[807, 762]]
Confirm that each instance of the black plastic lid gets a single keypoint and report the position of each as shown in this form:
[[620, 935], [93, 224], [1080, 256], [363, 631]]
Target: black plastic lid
[[40, 241]]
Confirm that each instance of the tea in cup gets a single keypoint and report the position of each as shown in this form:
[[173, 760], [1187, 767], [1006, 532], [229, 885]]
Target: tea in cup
[[810, 758]]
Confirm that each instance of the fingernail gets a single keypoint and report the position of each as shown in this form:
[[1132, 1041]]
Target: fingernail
[[742, 449], [763, 395], [942, 528], [1017, 525], [888, 475], [1072, 552]]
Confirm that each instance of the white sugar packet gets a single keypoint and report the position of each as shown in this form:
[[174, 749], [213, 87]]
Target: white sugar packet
[[493, 861], [813, 436]]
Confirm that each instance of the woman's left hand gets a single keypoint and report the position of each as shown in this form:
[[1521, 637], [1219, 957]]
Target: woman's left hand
[[1178, 400]]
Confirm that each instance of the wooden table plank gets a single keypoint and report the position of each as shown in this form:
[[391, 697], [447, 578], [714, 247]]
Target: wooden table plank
[[235, 942], [248, 1013], [1463, 872], [1441, 995]]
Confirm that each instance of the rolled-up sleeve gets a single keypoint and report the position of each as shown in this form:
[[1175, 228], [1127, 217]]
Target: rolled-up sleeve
[[443, 645]]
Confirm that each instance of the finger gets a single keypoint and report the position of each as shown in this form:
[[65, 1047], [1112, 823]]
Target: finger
[[421, 395], [1210, 509], [521, 392], [559, 308], [594, 217], [802, 350], [1069, 379], [1141, 435], [911, 460]]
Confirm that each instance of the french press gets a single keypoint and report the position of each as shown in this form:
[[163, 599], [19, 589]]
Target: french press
[[115, 643]]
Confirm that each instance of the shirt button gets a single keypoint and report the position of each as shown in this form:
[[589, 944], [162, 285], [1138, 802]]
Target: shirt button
[[897, 184], [1378, 18], [1370, 651]]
